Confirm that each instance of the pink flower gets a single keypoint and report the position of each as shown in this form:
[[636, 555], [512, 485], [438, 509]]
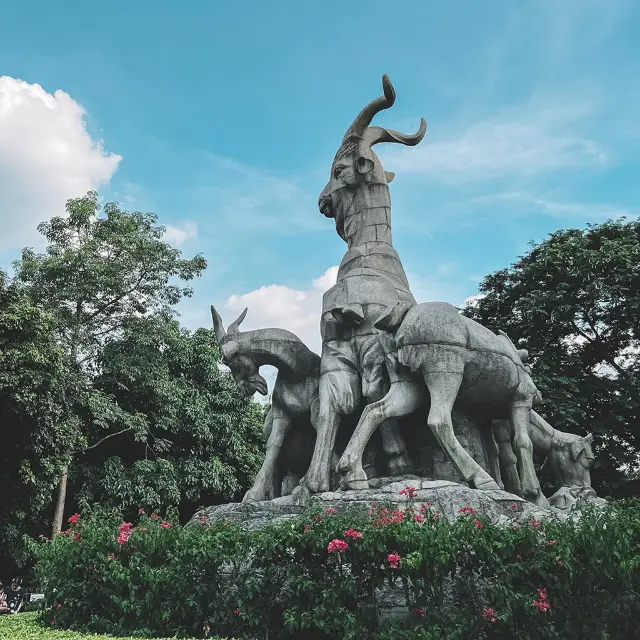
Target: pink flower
[[53, 622], [307, 528], [410, 492], [337, 545], [204, 519], [543, 605], [542, 593], [514, 506], [478, 524], [112, 556], [165, 525], [437, 516], [560, 563], [140, 511], [535, 523], [236, 612], [125, 532], [397, 516], [74, 518], [59, 606], [519, 556], [393, 559], [77, 537], [418, 518], [551, 542], [155, 516], [469, 510], [352, 533], [489, 614], [330, 511]]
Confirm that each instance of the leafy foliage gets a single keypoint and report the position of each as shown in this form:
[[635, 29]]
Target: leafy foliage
[[318, 575], [37, 382], [186, 435], [573, 301]]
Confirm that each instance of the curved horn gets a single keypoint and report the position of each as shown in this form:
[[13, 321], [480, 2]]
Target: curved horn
[[234, 326], [218, 327], [373, 135], [364, 118]]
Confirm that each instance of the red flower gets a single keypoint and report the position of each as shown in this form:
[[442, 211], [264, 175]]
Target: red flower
[[155, 516], [165, 525], [479, 524], [74, 518], [519, 556], [410, 492], [437, 516], [470, 510], [77, 537], [337, 545], [535, 523], [489, 614], [551, 542], [397, 516], [419, 612], [514, 506], [542, 593], [543, 605], [393, 559], [307, 528], [59, 606], [330, 511], [125, 532], [236, 612], [53, 622], [352, 533], [418, 518]]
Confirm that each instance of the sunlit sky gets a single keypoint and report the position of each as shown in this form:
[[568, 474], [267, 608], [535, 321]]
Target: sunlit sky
[[223, 118]]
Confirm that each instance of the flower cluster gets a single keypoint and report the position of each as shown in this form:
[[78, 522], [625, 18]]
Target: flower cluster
[[410, 492], [542, 603], [469, 510], [337, 545], [394, 560], [126, 529], [490, 614], [352, 533], [74, 519]]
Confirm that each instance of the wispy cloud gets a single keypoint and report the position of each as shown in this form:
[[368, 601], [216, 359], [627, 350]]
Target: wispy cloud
[[537, 138], [179, 235], [556, 208]]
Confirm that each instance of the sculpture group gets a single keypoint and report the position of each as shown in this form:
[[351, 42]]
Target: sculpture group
[[384, 357]]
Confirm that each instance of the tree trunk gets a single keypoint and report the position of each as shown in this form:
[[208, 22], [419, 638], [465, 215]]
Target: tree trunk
[[58, 513]]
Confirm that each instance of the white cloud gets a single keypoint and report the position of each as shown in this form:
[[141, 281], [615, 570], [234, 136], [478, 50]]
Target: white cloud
[[46, 157], [535, 139], [297, 310], [179, 235]]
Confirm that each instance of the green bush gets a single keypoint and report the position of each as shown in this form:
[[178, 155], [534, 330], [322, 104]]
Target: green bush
[[318, 575]]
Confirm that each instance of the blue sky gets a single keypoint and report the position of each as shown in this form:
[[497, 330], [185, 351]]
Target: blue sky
[[223, 118]]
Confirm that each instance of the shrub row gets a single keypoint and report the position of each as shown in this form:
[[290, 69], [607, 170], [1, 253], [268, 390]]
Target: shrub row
[[321, 574]]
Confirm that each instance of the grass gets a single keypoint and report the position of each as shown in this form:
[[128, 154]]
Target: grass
[[25, 626]]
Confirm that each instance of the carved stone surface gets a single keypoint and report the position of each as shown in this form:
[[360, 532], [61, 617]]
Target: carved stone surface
[[447, 498]]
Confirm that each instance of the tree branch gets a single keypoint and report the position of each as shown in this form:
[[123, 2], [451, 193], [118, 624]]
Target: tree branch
[[93, 446]]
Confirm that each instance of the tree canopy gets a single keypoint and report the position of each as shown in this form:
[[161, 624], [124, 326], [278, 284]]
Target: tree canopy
[[574, 302]]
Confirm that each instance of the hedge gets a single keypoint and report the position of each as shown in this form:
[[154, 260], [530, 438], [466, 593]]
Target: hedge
[[319, 575]]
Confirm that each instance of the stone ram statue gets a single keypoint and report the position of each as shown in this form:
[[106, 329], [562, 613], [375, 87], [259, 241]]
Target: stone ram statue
[[431, 347]]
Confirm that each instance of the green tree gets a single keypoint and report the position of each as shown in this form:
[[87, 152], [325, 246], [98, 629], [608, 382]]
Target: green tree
[[96, 274], [574, 302], [203, 439], [37, 425]]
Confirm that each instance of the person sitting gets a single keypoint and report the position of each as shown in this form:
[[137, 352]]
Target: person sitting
[[14, 595], [4, 607]]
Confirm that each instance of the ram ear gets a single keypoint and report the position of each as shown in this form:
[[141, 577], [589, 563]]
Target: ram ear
[[389, 175], [589, 438], [364, 164]]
